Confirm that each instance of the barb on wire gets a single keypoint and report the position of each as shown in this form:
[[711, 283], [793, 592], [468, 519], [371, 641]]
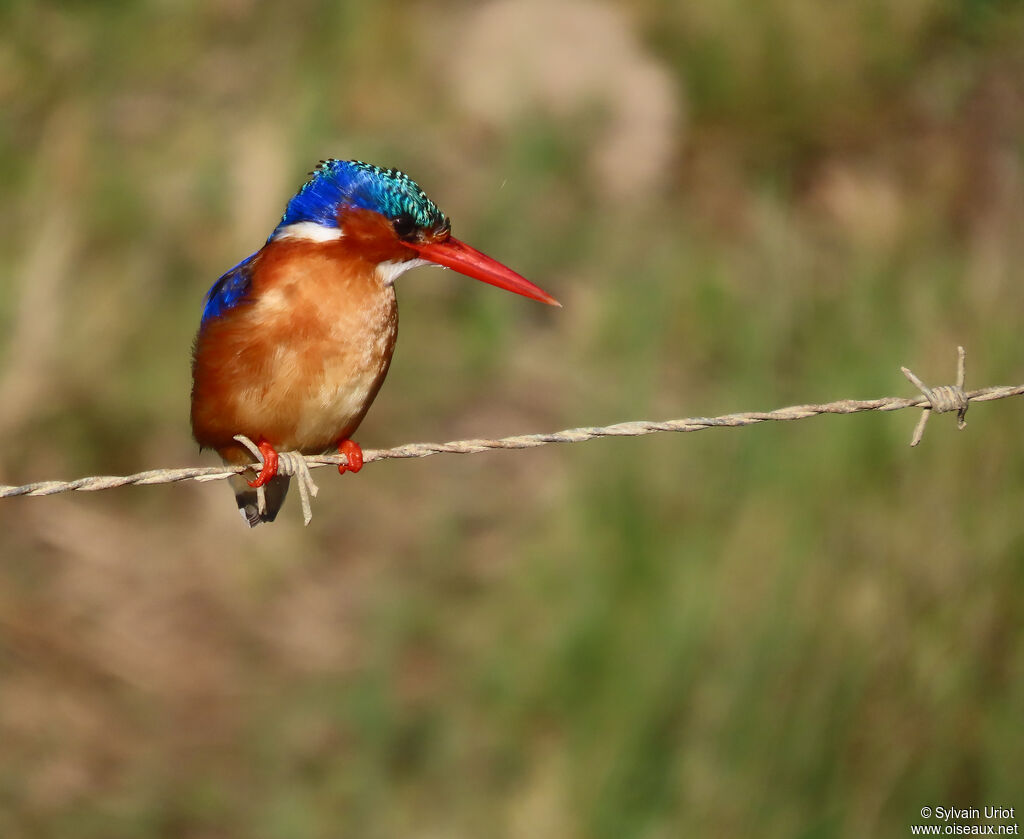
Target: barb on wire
[[288, 463], [943, 398], [937, 399]]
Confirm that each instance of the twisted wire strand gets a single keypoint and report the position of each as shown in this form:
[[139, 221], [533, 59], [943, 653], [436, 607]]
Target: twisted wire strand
[[929, 401]]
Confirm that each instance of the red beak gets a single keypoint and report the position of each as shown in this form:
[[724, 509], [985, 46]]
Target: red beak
[[466, 260]]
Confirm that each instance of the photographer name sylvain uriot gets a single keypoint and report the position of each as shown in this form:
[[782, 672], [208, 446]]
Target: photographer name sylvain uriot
[[963, 813]]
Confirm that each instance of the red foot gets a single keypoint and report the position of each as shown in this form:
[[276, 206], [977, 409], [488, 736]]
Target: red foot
[[351, 450], [269, 464]]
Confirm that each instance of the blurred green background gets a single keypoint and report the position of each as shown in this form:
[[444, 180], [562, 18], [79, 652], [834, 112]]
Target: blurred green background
[[804, 630]]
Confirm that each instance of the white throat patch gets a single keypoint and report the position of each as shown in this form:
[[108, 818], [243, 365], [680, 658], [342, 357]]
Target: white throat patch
[[390, 271]]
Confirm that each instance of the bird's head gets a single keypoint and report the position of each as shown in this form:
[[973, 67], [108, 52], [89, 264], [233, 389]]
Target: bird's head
[[392, 223]]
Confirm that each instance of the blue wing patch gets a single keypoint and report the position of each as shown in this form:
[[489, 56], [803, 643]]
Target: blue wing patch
[[229, 290]]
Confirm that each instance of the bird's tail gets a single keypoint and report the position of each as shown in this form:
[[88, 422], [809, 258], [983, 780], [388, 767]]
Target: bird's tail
[[274, 491]]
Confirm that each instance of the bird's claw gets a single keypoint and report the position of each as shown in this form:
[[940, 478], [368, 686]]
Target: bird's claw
[[354, 455], [269, 469]]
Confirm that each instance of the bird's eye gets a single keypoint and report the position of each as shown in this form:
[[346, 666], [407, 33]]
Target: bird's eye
[[404, 226]]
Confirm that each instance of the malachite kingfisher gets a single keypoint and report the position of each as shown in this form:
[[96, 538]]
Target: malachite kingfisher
[[295, 340]]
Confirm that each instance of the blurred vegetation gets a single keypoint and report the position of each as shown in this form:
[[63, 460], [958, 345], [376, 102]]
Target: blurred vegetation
[[806, 630]]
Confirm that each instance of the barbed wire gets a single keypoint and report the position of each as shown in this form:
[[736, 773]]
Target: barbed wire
[[939, 399]]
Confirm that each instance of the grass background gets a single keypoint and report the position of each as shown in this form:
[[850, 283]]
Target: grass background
[[806, 630]]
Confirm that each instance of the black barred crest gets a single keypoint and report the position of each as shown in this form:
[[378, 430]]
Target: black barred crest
[[334, 184]]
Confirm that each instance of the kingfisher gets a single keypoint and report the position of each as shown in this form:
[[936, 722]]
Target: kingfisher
[[295, 341]]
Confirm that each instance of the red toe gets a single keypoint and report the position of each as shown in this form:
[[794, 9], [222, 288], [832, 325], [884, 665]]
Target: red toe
[[269, 469], [352, 451]]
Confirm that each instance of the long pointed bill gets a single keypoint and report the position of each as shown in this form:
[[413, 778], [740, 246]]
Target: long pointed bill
[[466, 260]]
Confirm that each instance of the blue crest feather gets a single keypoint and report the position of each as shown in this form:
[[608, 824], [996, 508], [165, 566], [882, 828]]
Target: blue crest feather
[[335, 184]]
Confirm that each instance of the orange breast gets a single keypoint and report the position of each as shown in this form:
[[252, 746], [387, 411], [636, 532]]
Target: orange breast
[[300, 361]]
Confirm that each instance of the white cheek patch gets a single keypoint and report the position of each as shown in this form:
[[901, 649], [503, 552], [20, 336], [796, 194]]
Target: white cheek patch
[[309, 231], [390, 271]]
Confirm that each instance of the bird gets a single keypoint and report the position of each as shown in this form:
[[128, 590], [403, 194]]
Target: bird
[[295, 340]]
